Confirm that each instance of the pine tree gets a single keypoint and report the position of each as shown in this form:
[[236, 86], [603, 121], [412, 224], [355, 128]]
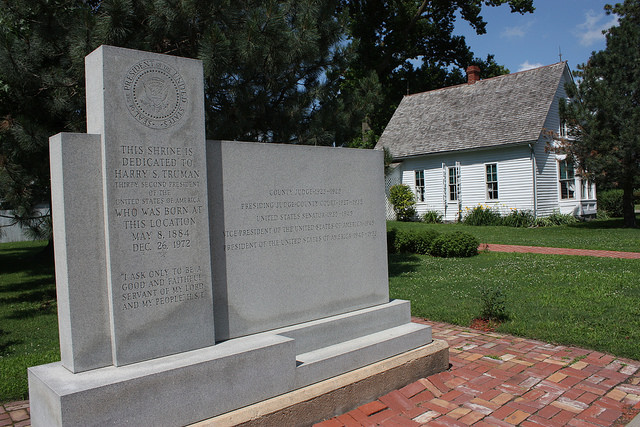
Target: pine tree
[[604, 111], [42, 44], [411, 47]]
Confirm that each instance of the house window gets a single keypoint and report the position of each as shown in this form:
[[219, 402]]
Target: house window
[[453, 183], [492, 181], [564, 131], [567, 180], [419, 185], [586, 191]]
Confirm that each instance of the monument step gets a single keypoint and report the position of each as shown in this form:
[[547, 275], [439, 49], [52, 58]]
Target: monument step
[[323, 363], [323, 333]]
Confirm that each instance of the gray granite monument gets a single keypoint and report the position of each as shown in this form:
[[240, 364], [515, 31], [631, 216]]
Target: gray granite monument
[[198, 277]]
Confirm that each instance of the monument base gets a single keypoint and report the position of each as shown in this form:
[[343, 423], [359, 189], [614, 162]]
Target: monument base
[[196, 385], [340, 394]]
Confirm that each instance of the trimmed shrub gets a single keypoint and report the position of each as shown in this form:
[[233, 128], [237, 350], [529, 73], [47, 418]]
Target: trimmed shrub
[[412, 242], [401, 197], [432, 217], [481, 215], [611, 202], [519, 219], [422, 240], [391, 240], [456, 244]]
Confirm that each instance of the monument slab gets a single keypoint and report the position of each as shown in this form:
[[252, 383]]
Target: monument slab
[[83, 305], [298, 233], [149, 111]]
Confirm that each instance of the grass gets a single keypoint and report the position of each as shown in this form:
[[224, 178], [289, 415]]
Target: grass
[[582, 301], [28, 318], [597, 234]]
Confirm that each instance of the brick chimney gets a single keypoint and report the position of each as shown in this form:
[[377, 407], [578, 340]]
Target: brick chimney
[[473, 74]]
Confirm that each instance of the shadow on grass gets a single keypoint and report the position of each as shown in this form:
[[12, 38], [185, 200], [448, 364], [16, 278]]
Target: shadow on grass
[[34, 291], [403, 263], [29, 264], [603, 224], [46, 307], [5, 345]]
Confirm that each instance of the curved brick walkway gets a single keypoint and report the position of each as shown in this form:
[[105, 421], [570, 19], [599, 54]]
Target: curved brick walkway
[[502, 380], [558, 251], [497, 380]]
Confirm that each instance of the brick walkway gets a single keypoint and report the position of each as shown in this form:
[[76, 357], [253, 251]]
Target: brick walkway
[[558, 251], [15, 414], [502, 380]]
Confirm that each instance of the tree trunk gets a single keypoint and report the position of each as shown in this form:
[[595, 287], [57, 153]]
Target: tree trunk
[[628, 208]]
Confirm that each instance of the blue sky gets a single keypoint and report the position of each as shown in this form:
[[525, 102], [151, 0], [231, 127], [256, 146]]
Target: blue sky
[[527, 41]]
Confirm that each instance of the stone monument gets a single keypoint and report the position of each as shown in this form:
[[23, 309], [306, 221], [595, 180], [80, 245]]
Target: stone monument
[[198, 277]]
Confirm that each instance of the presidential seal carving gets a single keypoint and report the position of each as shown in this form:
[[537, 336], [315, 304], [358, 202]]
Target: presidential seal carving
[[155, 94]]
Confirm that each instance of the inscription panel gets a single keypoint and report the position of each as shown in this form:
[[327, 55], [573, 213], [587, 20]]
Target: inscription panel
[[159, 267], [300, 234]]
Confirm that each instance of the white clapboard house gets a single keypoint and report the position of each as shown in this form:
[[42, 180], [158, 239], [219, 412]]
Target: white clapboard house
[[486, 143]]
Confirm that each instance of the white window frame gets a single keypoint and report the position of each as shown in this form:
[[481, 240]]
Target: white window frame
[[452, 185], [564, 129], [566, 182], [419, 185], [491, 185]]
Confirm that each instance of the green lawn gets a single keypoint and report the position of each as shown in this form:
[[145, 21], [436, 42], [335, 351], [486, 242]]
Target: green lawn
[[28, 320], [598, 234], [582, 301]]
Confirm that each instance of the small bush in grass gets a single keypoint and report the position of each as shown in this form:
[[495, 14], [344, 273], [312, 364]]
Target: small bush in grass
[[401, 197], [519, 219], [456, 244], [611, 202], [432, 217], [493, 304], [482, 215]]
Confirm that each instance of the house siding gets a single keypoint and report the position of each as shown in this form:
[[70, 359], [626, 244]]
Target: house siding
[[515, 180]]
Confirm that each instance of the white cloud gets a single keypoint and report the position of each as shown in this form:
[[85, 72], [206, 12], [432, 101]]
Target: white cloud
[[590, 31], [517, 31], [526, 65]]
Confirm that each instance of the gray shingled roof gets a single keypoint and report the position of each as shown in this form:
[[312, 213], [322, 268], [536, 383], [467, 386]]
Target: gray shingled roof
[[501, 110]]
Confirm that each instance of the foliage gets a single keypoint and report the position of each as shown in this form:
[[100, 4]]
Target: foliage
[[366, 140], [606, 234], [519, 218], [403, 201], [41, 87], [456, 244], [263, 72], [556, 218], [611, 202], [410, 46], [493, 304], [582, 301], [410, 241], [482, 215], [432, 217], [604, 109]]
